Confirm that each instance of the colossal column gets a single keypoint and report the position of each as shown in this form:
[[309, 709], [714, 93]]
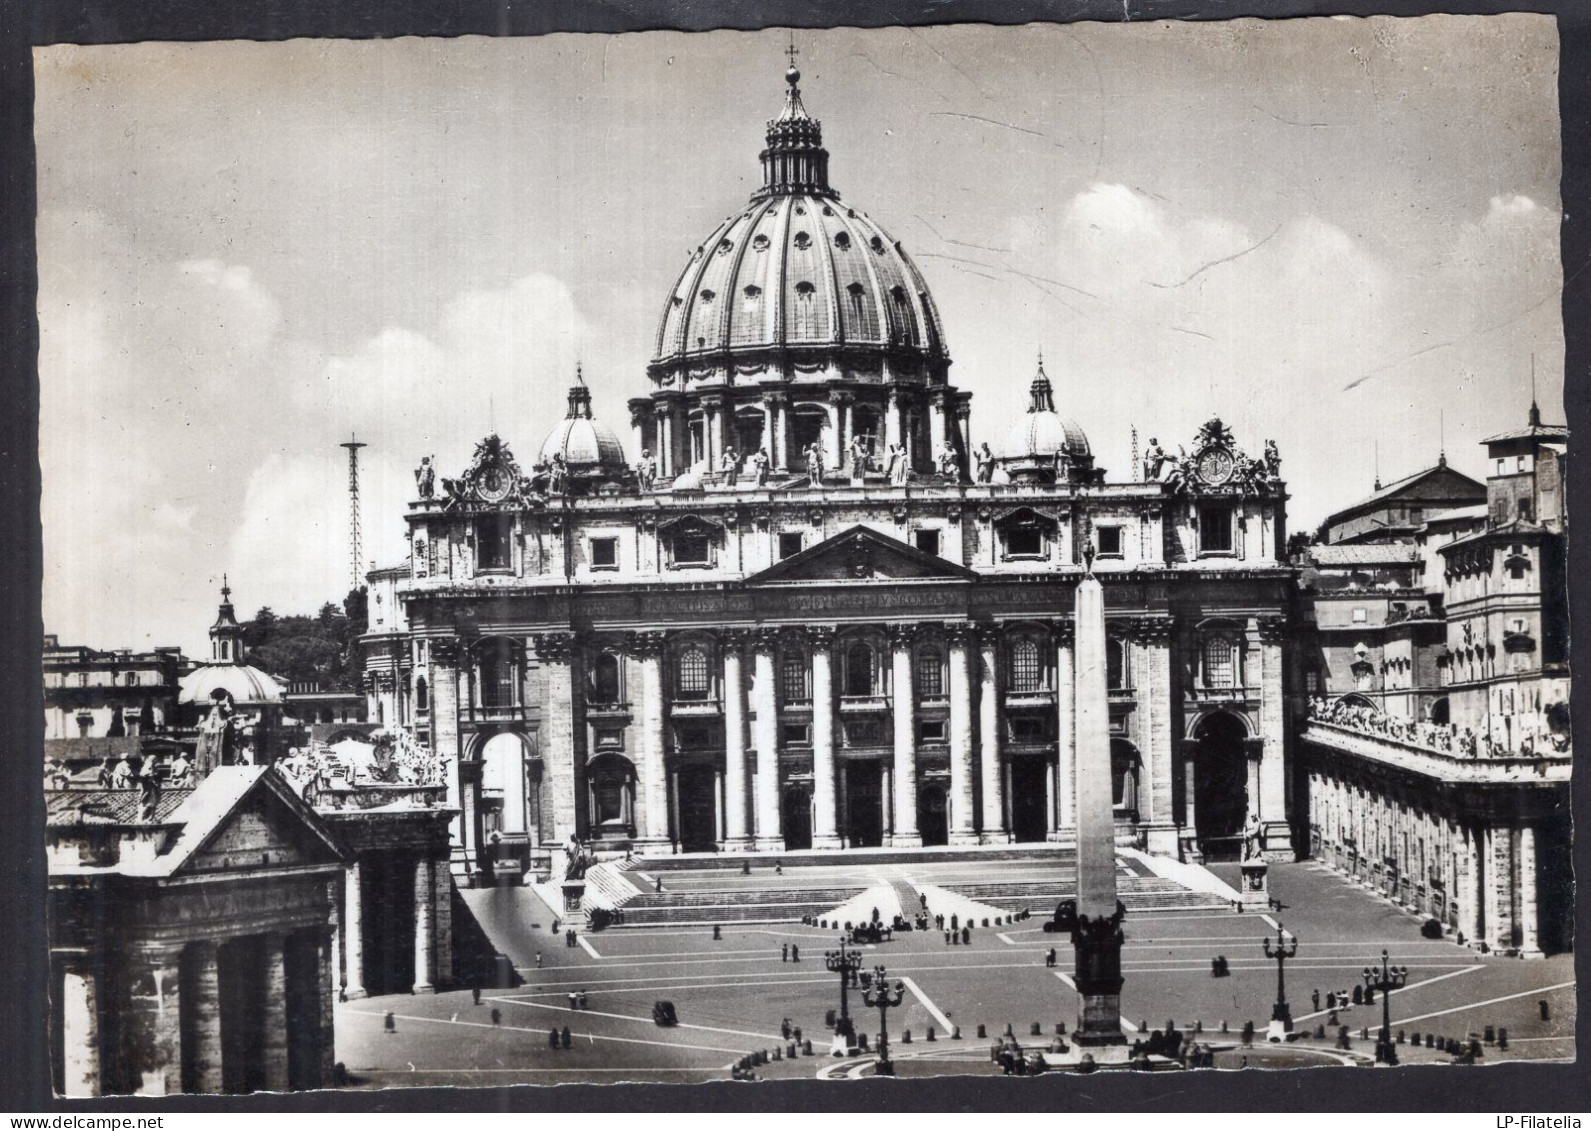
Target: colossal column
[[1500, 886], [162, 1016], [765, 734], [1529, 908], [564, 727], [825, 832], [1152, 653], [424, 944], [992, 771], [275, 1009], [444, 690], [202, 1072], [1065, 732], [648, 648], [737, 794], [963, 814], [1470, 919], [903, 704], [353, 933], [1273, 727], [1097, 937]]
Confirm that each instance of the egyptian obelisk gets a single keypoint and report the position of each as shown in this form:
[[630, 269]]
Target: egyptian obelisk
[[1097, 938]]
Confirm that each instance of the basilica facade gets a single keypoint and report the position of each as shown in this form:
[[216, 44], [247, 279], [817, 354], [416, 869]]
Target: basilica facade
[[808, 609]]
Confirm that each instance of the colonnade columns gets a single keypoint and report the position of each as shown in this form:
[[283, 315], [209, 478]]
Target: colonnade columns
[[162, 1012], [648, 648], [963, 814], [80, 1028], [737, 792], [1499, 887], [275, 1009], [1064, 822], [1529, 905], [202, 1021], [424, 928], [353, 939], [825, 831], [1189, 834], [995, 829], [1469, 900], [765, 735], [564, 744], [903, 706]]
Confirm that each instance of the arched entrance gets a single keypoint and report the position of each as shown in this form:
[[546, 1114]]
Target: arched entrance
[[698, 808], [1220, 785], [864, 804], [932, 820], [1029, 793], [503, 809], [1439, 712], [797, 818], [1125, 767]]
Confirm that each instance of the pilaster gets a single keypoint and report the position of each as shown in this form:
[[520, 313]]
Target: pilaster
[[648, 648]]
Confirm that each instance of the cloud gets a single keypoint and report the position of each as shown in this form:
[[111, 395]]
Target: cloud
[[283, 549]]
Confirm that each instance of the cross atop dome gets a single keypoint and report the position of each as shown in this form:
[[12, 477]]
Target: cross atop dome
[[1041, 394]]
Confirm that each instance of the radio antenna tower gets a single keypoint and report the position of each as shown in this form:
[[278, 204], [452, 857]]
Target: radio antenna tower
[[355, 536]]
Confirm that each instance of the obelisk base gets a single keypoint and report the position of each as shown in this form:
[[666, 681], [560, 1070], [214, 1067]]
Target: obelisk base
[[1098, 944]]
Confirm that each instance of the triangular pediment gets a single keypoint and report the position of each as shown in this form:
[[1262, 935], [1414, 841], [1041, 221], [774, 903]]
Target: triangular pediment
[[861, 555], [261, 824]]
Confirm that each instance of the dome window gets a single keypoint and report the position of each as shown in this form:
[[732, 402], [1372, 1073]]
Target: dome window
[[842, 241], [804, 289], [878, 245], [899, 295], [827, 211], [850, 213], [753, 293], [678, 301], [707, 298], [725, 247], [803, 241], [799, 211], [760, 243], [855, 289]]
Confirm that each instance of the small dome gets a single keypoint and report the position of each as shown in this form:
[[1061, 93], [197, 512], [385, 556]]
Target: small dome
[[583, 441], [246, 685], [690, 479], [1041, 431]]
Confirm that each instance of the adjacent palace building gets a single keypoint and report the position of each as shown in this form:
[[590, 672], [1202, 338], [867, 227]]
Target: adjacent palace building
[[807, 609]]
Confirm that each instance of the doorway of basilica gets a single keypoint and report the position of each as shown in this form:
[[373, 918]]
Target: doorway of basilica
[[698, 809], [864, 809], [931, 816], [797, 818], [1220, 786], [1029, 789]]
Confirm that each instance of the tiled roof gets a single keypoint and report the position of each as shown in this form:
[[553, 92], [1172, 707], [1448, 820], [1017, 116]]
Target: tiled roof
[[68, 807], [1365, 553]]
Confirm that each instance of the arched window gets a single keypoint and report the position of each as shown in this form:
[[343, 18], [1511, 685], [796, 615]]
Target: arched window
[[605, 679], [1027, 669], [1220, 662], [1115, 664], [793, 678], [858, 670], [854, 295], [806, 323], [930, 673], [692, 679], [422, 697]]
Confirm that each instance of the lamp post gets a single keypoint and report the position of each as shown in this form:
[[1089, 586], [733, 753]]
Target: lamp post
[[1281, 1015], [880, 995], [845, 963], [1389, 978]]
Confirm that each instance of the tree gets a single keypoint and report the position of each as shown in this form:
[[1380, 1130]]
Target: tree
[[261, 628]]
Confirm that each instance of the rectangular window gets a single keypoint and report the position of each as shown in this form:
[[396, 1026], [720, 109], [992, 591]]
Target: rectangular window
[[930, 674], [604, 553], [789, 544], [494, 542], [1312, 681], [931, 730], [1359, 616], [692, 549], [1220, 664], [797, 734], [1108, 539], [927, 541], [1026, 728], [1215, 530], [793, 678], [1024, 542], [610, 738]]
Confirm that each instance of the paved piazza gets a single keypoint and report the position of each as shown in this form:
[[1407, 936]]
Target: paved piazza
[[732, 994]]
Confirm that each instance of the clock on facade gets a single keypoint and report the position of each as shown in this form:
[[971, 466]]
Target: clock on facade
[[1215, 466], [494, 483]]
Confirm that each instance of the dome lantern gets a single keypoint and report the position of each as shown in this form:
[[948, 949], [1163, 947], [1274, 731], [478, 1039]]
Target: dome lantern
[[794, 160]]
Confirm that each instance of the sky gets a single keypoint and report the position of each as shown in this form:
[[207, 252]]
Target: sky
[[1338, 233]]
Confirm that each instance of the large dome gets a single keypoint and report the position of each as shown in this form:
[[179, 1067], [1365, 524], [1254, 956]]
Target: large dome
[[797, 267], [800, 269]]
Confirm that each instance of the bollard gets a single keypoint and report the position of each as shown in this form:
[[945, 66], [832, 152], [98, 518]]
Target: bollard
[[955, 1032], [1223, 1026], [1060, 1028], [1198, 1026], [790, 1051], [778, 1053], [806, 1047], [1546, 1010], [1320, 1032], [1491, 1034], [1364, 1033], [1343, 1040], [718, 932], [906, 1037], [1400, 1036], [1430, 1040], [1502, 1038], [930, 1032], [1037, 1030], [982, 1032]]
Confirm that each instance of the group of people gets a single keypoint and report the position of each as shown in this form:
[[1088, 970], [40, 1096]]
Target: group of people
[[1444, 738], [129, 771]]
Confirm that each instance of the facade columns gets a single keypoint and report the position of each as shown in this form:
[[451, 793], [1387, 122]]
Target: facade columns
[[995, 828], [1152, 653], [424, 926], [1470, 921], [664, 454], [936, 423], [443, 687], [736, 828], [963, 815], [201, 1022], [353, 938], [1051, 801], [80, 1033], [442, 925], [765, 735], [1065, 731], [1499, 887], [825, 833], [564, 733], [274, 1004], [648, 648], [903, 707], [1189, 834], [1272, 795], [1529, 917]]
